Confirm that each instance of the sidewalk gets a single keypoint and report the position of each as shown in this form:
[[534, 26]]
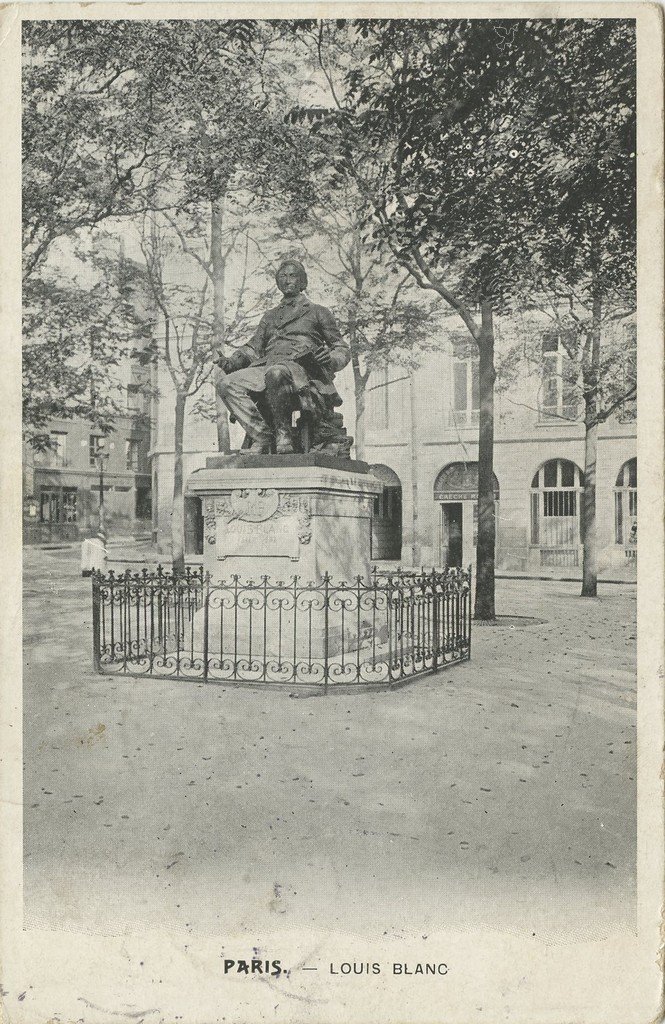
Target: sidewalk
[[497, 794], [613, 574], [143, 553]]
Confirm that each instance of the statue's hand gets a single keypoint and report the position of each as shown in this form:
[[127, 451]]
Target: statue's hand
[[322, 358], [226, 364]]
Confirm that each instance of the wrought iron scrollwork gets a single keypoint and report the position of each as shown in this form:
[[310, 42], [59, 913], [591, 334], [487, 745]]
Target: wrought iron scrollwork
[[381, 631]]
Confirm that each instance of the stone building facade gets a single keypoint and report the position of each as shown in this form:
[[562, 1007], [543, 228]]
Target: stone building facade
[[422, 439], [62, 486]]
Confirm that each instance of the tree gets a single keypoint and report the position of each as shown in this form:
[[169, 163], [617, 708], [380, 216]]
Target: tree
[[131, 116], [93, 116], [185, 348], [434, 111], [598, 379], [458, 134], [84, 162], [217, 112], [587, 196], [86, 157], [187, 343]]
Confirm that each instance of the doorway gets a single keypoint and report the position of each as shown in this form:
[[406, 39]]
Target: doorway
[[387, 516], [193, 526], [456, 491], [451, 533]]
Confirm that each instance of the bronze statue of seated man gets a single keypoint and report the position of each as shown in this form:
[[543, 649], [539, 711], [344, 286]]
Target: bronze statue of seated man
[[288, 365]]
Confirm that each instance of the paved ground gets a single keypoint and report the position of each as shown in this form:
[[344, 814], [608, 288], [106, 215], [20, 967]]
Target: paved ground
[[498, 792]]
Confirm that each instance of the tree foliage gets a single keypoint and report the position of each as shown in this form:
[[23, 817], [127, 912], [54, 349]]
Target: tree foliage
[[493, 161], [492, 155], [124, 117], [76, 340]]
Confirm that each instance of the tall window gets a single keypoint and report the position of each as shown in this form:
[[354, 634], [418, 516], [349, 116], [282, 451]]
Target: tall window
[[132, 453], [93, 446], [628, 411], [625, 507], [466, 388], [69, 505], [58, 454], [138, 400], [378, 395], [555, 512], [378, 398], [559, 394], [133, 398], [49, 506]]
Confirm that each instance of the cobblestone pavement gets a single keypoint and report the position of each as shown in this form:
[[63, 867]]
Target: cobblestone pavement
[[499, 793]]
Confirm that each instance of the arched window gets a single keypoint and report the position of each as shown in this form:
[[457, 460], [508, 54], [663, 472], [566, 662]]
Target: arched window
[[555, 512], [387, 516], [458, 481], [625, 508]]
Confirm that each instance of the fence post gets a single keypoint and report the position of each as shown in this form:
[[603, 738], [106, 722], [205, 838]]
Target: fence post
[[435, 623], [126, 620], [206, 613], [326, 596], [468, 653], [95, 622], [389, 617]]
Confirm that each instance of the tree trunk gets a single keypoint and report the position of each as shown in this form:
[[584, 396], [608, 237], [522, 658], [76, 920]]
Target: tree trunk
[[359, 440], [218, 264], [588, 519], [415, 440], [484, 604], [359, 385], [178, 513]]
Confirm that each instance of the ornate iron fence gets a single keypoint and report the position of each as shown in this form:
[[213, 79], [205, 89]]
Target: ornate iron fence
[[382, 631]]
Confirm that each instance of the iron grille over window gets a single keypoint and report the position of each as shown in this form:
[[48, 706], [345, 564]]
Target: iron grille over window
[[555, 512]]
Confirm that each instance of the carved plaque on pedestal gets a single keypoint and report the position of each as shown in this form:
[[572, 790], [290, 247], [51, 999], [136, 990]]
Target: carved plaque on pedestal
[[257, 523], [276, 537]]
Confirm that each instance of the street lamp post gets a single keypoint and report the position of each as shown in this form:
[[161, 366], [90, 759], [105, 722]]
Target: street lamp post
[[100, 455]]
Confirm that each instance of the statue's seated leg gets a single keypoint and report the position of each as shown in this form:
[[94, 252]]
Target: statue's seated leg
[[237, 392], [282, 399]]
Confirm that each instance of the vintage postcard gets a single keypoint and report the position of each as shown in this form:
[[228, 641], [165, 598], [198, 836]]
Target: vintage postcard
[[332, 513]]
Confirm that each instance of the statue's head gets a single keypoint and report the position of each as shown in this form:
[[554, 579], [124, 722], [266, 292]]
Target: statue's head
[[291, 278]]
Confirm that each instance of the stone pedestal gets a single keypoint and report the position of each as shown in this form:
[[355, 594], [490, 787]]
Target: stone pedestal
[[281, 516]]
